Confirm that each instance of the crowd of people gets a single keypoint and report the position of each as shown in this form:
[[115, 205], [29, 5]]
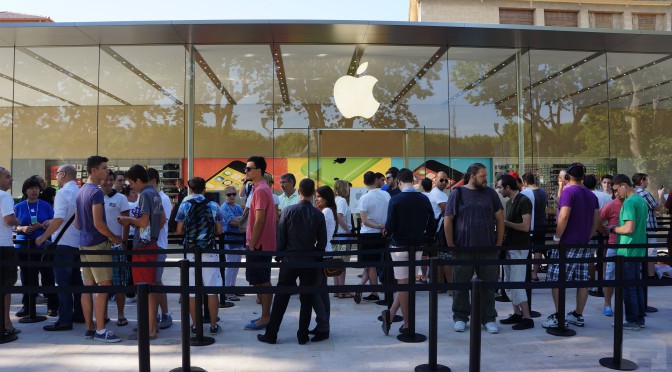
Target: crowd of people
[[126, 211]]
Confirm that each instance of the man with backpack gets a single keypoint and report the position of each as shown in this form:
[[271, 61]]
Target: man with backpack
[[200, 220]]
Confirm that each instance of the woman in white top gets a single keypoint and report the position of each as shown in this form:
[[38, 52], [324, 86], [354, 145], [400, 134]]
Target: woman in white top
[[324, 201], [343, 217]]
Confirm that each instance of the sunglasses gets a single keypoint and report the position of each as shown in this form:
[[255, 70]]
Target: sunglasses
[[247, 169], [443, 180], [231, 194]]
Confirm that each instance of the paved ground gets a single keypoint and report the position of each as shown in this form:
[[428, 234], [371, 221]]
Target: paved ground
[[356, 344]]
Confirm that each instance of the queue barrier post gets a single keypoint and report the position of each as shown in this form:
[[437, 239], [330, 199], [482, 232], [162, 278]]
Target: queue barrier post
[[616, 361], [411, 336], [143, 328], [645, 274], [528, 291], [199, 339], [561, 330], [475, 330], [432, 364], [32, 312], [184, 309]]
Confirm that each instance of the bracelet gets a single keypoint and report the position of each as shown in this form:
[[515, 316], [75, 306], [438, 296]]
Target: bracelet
[[556, 239]]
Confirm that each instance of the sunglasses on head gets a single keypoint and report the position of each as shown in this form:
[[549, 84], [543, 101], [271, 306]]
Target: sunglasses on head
[[231, 194]]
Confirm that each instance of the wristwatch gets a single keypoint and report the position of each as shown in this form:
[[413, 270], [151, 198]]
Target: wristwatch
[[611, 229]]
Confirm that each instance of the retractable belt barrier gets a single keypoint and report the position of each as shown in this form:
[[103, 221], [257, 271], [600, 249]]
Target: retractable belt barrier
[[432, 288]]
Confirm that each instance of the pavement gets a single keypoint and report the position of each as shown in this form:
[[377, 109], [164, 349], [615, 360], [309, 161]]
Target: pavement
[[356, 342]]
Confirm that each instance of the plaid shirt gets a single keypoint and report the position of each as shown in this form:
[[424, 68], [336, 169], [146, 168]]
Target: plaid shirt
[[651, 218]]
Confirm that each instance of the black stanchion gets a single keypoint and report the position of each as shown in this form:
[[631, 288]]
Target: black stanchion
[[143, 327], [411, 336], [184, 309], [4, 338], [475, 330], [645, 274], [32, 314], [599, 269], [199, 339], [617, 362], [389, 280], [561, 330], [433, 324], [528, 291]]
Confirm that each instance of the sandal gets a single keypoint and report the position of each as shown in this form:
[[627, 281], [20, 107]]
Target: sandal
[[347, 295], [12, 331], [122, 322]]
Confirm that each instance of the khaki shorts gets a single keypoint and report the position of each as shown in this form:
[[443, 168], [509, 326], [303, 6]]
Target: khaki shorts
[[401, 272], [97, 274]]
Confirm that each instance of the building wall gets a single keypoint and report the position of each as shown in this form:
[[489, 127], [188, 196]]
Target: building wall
[[487, 11]]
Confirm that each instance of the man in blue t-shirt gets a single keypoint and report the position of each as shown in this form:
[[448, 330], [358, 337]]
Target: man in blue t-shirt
[[94, 235]]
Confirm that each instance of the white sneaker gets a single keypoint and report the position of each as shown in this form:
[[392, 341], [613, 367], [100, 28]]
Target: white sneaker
[[460, 326], [491, 327]]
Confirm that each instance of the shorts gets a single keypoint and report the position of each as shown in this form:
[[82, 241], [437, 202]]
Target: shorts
[[161, 257], [120, 274], [539, 238], [97, 274], [144, 274], [401, 272], [574, 271], [258, 275], [516, 274], [610, 273], [342, 248], [212, 276], [9, 274], [370, 242]]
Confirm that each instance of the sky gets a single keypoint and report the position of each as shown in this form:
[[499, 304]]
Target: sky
[[164, 10]]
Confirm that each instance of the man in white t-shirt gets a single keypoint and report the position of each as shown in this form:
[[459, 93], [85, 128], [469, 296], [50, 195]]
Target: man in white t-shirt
[[373, 212], [6, 245], [116, 204], [166, 319], [65, 203], [437, 196]]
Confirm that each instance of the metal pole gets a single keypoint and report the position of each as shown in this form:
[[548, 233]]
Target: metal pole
[[433, 323], [475, 330], [411, 337], [143, 327], [32, 312], [184, 308], [617, 362], [199, 340]]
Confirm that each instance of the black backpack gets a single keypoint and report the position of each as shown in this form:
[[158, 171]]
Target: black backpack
[[440, 238], [199, 222]]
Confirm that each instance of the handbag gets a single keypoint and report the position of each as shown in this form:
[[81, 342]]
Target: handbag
[[242, 227], [333, 271], [51, 245]]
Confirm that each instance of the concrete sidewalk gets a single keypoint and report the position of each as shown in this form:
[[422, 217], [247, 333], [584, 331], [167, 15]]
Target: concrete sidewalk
[[357, 342]]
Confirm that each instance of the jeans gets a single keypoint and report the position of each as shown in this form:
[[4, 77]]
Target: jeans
[[463, 274], [69, 304], [230, 273], [633, 296], [322, 305]]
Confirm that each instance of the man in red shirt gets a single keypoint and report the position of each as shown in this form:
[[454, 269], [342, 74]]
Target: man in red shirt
[[260, 236]]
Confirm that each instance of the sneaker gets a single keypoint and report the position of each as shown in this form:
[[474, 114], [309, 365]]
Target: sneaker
[[131, 300], [107, 337], [631, 326], [459, 326], [523, 324], [512, 319], [215, 329], [193, 330], [642, 323], [371, 297], [166, 321], [552, 321], [22, 312], [40, 300], [491, 327], [576, 320], [608, 311], [89, 334]]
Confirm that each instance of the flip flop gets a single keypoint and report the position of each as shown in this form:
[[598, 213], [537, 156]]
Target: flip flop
[[12, 331], [122, 322], [347, 295]]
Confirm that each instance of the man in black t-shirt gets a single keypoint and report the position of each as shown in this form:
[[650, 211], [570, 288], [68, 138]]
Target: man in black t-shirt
[[517, 236]]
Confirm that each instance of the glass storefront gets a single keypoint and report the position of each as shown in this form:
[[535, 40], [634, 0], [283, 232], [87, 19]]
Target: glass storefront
[[435, 107]]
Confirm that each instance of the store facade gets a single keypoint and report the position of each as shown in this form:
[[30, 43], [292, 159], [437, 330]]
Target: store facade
[[197, 98]]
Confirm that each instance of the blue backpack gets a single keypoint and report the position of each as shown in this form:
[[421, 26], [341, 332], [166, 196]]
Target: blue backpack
[[199, 225]]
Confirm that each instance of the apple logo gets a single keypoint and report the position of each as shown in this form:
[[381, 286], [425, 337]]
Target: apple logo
[[354, 95]]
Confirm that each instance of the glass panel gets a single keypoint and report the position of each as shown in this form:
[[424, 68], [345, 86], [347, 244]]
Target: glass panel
[[483, 108], [55, 115], [6, 99], [142, 110], [640, 112]]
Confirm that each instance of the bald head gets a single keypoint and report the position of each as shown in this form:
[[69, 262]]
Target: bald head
[[69, 173], [441, 180]]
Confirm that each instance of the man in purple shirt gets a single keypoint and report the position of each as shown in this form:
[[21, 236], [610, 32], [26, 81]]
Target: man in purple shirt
[[95, 235], [578, 218]]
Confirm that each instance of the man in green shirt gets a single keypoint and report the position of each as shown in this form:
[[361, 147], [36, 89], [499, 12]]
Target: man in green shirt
[[631, 230]]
